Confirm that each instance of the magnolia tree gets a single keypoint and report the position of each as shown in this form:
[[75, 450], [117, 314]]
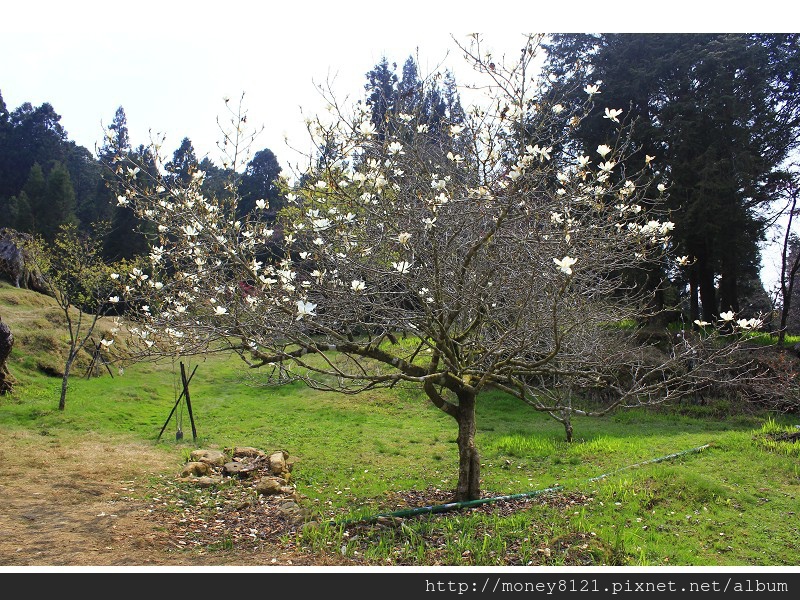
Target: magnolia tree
[[495, 255]]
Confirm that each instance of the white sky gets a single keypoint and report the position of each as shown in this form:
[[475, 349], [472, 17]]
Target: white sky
[[169, 63]]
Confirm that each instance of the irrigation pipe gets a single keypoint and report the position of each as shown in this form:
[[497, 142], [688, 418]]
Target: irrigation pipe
[[439, 508], [655, 460]]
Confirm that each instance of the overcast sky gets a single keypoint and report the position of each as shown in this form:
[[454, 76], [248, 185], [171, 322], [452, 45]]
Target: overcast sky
[[169, 63]]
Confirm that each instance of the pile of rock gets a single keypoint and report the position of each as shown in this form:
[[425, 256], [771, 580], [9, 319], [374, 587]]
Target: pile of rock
[[269, 474]]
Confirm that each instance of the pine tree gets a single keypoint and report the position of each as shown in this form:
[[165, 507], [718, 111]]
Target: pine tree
[[60, 203], [719, 113], [183, 163], [260, 182]]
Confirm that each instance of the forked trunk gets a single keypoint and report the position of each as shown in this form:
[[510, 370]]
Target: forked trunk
[[469, 464]]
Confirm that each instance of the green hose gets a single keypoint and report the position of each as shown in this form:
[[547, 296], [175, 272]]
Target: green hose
[[655, 460], [410, 512], [438, 508]]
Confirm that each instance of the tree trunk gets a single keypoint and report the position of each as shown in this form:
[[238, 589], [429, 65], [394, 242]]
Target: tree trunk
[[6, 344], [708, 295], [566, 421], [694, 302], [62, 403], [469, 464], [728, 290]]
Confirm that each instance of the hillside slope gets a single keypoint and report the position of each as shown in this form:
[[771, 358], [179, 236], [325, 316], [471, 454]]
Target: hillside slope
[[41, 337]]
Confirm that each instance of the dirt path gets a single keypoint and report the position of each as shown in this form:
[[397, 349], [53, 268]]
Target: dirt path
[[81, 503]]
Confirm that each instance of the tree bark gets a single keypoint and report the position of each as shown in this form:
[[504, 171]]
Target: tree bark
[[708, 295], [694, 302], [566, 421], [728, 290], [6, 344], [62, 403], [469, 463]]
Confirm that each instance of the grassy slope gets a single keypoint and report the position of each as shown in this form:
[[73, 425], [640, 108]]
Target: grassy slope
[[734, 504]]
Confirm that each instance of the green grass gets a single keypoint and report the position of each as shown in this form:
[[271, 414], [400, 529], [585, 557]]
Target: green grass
[[732, 504]]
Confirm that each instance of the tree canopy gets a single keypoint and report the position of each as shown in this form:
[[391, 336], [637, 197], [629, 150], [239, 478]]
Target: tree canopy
[[408, 264]]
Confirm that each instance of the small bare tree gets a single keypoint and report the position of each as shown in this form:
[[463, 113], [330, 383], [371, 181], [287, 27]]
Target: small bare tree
[[490, 254], [75, 274]]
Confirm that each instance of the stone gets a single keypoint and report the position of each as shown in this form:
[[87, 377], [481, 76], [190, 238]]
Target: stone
[[212, 457], [293, 511], [270, 486], [239, 468], [196, 469], [248, 452], [16, 263], [277, 462]]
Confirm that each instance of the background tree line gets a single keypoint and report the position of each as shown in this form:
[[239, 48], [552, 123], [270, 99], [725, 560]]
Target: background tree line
[[47, 180], [720, 112]]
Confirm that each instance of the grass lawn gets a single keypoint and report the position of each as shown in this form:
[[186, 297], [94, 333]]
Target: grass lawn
[[734, 503]]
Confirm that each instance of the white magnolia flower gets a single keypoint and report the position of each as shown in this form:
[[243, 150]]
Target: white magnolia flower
[[456, 129], [613, 114], [544, 153], [106, 343], [404, 238], [556, 218], [607, 166], [603, 149], [700, 323], [558, 108], [220, 310], [592, 90], [357, 285], [113, 299], [682, 260], [726, 316], [422, 128], [403, 266], [565, 264], [395, 148], [122, 201], [405, 117], [583, 161], [749, 323], [320, 224], [661, 187], [429, 223], [648, 159], [438, 184], [115, 276], [305, 309], [262, 204], [367, 128]]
